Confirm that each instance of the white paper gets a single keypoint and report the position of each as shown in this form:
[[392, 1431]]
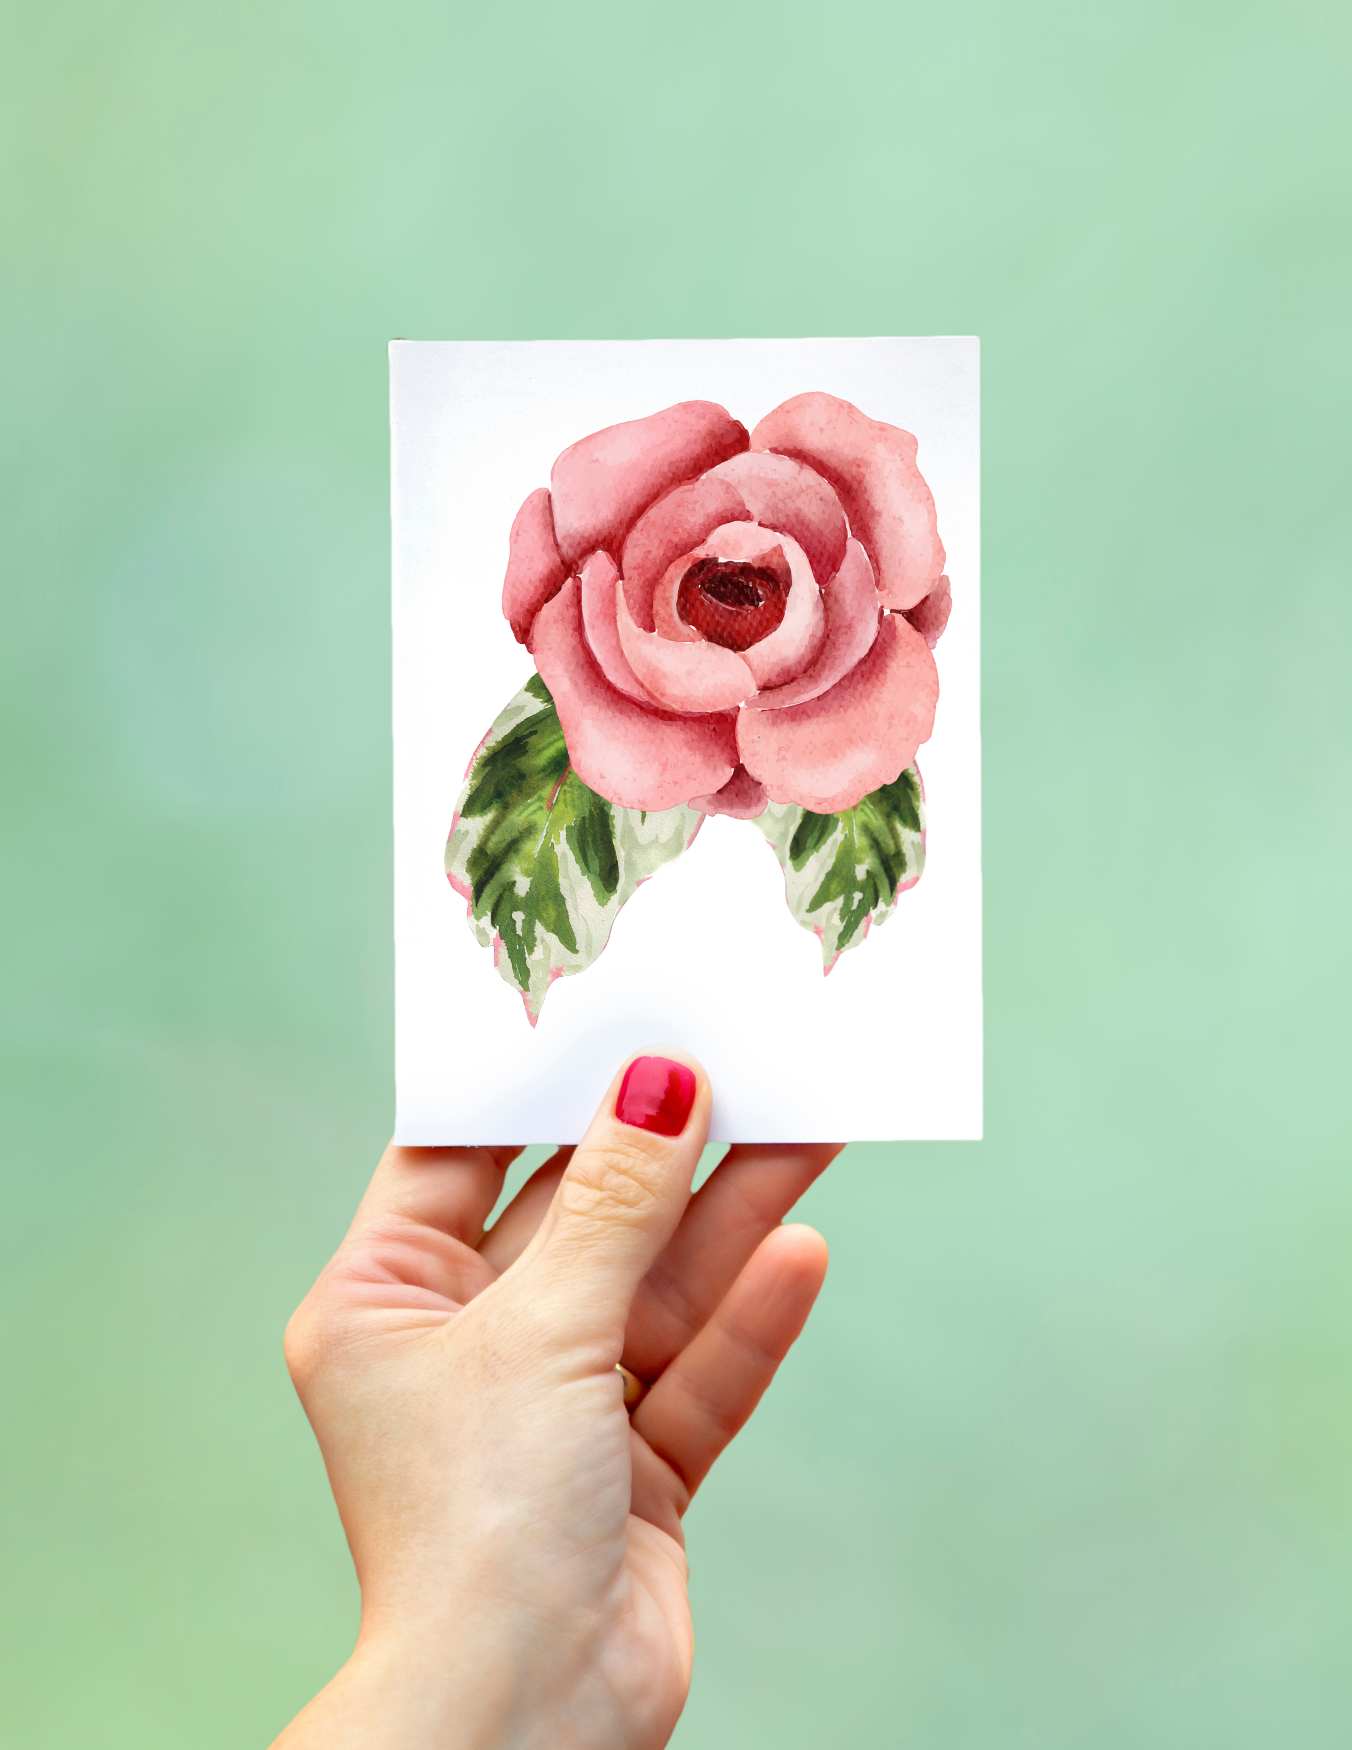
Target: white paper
[[705, 958]]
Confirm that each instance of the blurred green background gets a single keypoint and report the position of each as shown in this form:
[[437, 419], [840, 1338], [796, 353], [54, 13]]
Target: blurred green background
[[1066, 1458]]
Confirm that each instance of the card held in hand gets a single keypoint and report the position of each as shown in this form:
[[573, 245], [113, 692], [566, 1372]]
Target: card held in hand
[[687, 732]]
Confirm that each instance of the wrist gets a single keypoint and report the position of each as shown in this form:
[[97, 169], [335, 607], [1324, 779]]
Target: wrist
[[435, 1691], [466, 1679], [385, 1698]]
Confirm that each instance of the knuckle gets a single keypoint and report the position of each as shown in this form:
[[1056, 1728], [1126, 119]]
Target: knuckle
[[685, 1310], [296, 1347], [722, 1418], [617, 1182], [307, 1343]]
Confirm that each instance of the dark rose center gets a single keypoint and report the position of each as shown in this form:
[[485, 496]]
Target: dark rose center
[[731, 602]]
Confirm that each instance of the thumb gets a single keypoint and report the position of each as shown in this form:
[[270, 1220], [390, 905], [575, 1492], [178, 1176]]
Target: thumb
[[620, 1198]]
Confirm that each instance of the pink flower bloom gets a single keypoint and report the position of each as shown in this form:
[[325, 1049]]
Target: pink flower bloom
[[728, 620]]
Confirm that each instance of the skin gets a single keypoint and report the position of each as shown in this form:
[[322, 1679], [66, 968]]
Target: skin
[[517, 1534]]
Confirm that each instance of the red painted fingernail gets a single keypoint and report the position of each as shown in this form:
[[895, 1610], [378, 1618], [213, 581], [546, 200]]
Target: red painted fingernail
[[656, 1094]]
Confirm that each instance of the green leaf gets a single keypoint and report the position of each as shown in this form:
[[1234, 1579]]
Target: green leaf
[[843, 872], [545, 862]]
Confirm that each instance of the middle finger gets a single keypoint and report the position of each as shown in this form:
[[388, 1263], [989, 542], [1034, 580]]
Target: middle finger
[[750, 1191]]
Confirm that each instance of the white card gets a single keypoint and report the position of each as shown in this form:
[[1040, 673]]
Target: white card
[[735, 661]]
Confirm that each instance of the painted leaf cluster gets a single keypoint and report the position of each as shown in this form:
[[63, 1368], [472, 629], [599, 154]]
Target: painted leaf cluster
[[843, 872], [544, 862]]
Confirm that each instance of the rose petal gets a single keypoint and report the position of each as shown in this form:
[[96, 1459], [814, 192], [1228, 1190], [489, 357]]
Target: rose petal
[[872, 467], [831, 752], [931, 616], [534, 569], [666, 531], [743, 797], [666, 614], [597, 581], [696, 676], [602, 482], [634, 757], [783, 494], [852, 608]]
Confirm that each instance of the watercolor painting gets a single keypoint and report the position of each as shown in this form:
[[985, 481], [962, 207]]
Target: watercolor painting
[[722, 621]]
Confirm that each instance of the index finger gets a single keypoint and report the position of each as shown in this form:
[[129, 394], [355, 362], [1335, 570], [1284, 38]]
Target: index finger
[[450, 1189]]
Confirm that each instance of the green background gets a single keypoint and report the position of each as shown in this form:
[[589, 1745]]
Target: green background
[[1066, 1457]]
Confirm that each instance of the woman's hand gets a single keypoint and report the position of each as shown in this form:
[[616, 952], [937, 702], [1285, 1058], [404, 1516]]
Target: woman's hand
[[516, 1531]]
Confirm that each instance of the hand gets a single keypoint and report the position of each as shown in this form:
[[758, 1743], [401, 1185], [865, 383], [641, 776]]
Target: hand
[[516, 1533]]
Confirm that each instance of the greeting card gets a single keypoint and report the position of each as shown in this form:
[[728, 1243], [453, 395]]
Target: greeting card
[[687, 742]]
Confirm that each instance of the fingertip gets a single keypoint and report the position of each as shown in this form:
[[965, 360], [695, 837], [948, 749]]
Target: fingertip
[[675, 1054], [664, 1092], [803, 1248]]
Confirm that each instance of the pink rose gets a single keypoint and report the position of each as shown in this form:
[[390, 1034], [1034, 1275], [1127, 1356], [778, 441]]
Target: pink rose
[[725, 621]]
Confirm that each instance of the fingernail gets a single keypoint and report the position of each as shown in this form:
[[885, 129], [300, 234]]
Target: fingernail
[[656, 1094]]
